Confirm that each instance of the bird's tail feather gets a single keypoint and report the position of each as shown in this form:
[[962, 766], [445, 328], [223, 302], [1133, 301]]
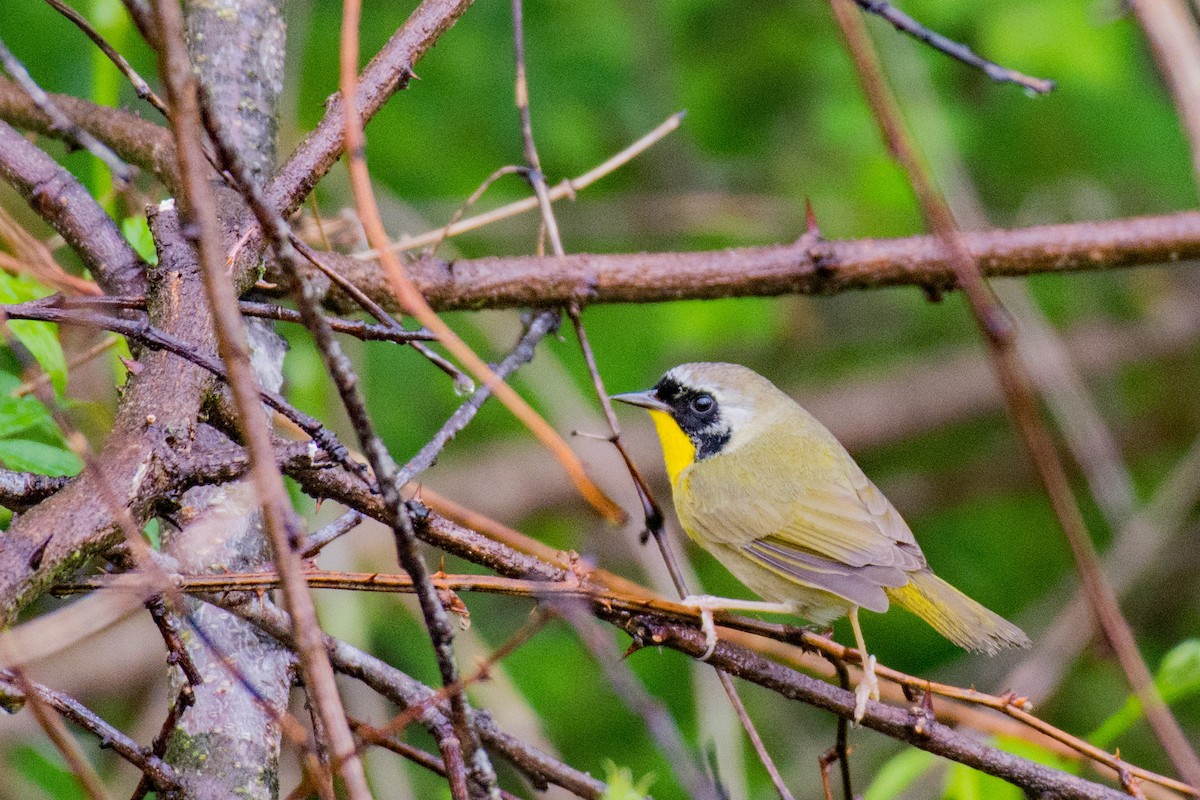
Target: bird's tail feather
[[956, 616]]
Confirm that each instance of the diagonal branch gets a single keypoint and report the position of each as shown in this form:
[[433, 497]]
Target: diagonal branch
[[389, 71], [998, 332], [70, 209]]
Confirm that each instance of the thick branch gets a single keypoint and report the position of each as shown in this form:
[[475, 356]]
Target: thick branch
[[134, 139], [804, 267], [67, 206], [70, 527]]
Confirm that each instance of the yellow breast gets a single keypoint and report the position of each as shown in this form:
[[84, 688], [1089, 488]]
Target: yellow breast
[[678, 450]]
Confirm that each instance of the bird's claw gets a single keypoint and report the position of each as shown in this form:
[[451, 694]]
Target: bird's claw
[[704, 602], [867, 689]]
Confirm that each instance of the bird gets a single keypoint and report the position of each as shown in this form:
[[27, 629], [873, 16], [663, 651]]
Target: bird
[[765, 488]]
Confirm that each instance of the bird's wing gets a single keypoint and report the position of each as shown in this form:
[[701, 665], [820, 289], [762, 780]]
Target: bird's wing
[[825, 506], [862, 586]]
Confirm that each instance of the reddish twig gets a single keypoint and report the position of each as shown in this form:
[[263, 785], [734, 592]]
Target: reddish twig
[[997, 329]]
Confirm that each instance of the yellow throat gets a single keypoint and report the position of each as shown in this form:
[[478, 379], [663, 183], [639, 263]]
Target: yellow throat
[[678, 450]]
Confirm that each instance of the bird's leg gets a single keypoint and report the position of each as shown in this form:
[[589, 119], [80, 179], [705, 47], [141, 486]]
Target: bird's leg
[[708, 603], [868, 684]]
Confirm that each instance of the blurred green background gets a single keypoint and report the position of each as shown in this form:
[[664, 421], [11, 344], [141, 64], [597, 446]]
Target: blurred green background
[[774, 118]]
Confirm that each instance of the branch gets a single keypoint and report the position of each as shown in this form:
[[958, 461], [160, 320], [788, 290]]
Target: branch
[[134, 139], [63, 532], [67, 206], [60, 123], [403, 690], [899, 723], [139, 330], [139, 84], [389, 71], [160, 773], [646, 618], [810, 266], [346, 381], [20, 490], [960, 52]]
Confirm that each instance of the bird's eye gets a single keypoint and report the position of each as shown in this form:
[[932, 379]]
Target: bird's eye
[[703, 404]]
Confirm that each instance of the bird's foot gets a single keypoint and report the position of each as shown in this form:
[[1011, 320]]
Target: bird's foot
[[867, 689], [705, 603]]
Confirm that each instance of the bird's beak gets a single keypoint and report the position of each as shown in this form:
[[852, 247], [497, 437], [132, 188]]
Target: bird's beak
[[645, 399]]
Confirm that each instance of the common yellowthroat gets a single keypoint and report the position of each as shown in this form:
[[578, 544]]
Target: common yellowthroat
[[763, 486]]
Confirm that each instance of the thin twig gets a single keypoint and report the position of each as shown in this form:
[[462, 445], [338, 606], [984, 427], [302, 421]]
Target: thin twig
[[956, 50], [140, 330], [160, 773], [367, 331], [997, 329], [539, 327], [139, 83], [537, 620], [621, 678], [60, 122], [565, 189], [378, 312], [317, 541], [373, 736], [158, 747], [89, 780], [410, 298]]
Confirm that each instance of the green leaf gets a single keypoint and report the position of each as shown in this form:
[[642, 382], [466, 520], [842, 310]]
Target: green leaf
[[29, 456], [137, 233], [20, 413], [19, 289], [1178, 678], [963, 783], [40, 338], [621, 785], [1179, 674], [1027, 749], [42, 341], [43, 768], [899, 772]]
